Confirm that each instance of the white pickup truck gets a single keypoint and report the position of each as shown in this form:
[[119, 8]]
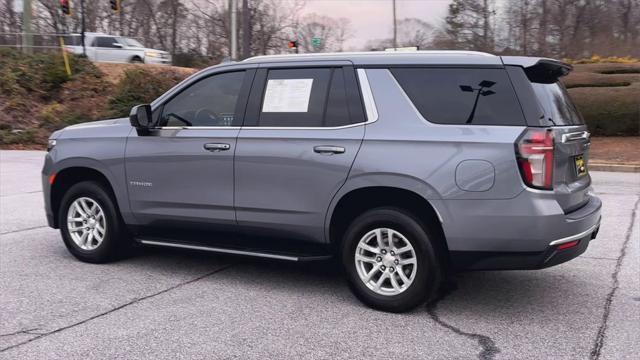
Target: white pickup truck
[[119, 49]]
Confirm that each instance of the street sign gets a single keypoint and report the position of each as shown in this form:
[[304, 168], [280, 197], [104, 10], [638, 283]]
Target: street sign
[[316, 41]]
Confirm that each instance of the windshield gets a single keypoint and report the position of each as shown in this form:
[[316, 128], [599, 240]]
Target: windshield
[[131, 42], [557, 105]]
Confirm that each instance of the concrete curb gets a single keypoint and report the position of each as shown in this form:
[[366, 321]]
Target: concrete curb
[[614, 167]]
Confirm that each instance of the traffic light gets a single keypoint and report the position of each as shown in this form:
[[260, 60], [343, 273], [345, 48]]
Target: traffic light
[[115, 5], [292, 44], [65, 5]]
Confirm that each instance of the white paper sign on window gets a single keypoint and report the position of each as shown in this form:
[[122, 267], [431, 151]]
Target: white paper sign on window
[[287, 95]]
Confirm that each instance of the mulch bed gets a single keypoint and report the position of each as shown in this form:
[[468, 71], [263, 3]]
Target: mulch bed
[[617, 150]]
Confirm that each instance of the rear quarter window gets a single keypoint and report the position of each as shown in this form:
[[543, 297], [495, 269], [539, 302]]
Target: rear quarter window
[[462, 96], [558, 107]]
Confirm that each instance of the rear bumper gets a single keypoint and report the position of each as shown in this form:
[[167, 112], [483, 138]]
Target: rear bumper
[[480, 260], [512, 237]]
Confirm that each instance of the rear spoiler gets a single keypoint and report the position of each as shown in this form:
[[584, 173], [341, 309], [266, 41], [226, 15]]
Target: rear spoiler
[[539, 70]]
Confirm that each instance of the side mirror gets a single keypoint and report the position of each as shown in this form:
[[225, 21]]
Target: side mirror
[[117, 44], [140, 117]]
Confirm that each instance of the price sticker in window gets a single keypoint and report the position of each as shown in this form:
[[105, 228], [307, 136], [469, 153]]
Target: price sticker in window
[[287, 95]]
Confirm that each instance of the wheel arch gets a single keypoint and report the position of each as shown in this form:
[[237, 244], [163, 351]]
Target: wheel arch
[[356, 201], [65, 178]]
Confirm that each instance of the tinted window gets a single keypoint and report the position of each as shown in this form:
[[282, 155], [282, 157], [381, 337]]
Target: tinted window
[[209, 102], [105, 42], [558, 108], [337, 113], [304, 98], [462, 96]]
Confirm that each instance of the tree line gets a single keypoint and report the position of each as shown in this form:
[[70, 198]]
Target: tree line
[[201, 28]]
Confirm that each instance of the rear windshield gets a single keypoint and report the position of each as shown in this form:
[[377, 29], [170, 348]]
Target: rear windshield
[[558, 108]]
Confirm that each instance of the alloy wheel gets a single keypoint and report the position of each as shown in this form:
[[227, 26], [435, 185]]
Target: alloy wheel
[[86, 223], [386, 261]]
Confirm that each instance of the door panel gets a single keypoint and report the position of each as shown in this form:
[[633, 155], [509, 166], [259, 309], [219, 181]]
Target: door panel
[[182, 171], [282, 183], [105, 50], [172, 176], [289, 163]]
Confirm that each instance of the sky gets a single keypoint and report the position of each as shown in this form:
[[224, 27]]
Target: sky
[[372, 19]]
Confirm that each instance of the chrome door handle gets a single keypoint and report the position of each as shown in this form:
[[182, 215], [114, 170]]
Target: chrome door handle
[[217, 147], [328, 149]]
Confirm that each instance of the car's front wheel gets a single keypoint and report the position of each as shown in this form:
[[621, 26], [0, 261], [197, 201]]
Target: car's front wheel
[[90, 224], [390, 261]]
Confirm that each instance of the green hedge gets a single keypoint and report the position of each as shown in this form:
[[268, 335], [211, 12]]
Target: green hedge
[[140, 86], [608, 96], [612, 111]]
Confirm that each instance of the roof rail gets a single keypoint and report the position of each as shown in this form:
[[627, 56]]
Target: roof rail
[[380, 53]]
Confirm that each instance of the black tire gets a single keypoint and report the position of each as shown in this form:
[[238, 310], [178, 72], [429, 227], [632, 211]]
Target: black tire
[[136, 60], [116, 241], [428, 274]]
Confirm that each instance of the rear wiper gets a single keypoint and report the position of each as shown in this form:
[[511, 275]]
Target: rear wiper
[[553, 122]]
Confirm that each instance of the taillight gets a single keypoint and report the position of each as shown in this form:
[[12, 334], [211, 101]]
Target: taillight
[[535, 158]]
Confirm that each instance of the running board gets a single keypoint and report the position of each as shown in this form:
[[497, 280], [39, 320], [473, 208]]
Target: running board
[[221, 250]]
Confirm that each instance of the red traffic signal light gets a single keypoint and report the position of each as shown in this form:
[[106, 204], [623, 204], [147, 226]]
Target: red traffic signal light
[[65, 5], [115, 5], [292, 44]]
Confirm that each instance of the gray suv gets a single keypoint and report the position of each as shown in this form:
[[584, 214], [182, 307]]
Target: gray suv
[[403, 166]]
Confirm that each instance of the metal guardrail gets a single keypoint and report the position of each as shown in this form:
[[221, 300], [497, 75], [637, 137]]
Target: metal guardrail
[[39, 41]]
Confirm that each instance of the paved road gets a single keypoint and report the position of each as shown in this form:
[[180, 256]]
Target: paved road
[[168, 304]]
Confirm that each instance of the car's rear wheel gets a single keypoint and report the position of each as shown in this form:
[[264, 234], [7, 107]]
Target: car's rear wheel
[[90, 224], [390, 261]]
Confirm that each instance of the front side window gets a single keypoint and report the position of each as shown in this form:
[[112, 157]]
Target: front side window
[[131, 42], [106, 42], [462, 96], [304, 98], [209, 102]]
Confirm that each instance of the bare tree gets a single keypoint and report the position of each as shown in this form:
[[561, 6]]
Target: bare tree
[[469, 25], [412, 32], [330, 33]]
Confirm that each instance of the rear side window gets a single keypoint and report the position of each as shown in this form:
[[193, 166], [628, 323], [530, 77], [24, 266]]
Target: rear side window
[[304, 98], [558, 108], [462, 96]]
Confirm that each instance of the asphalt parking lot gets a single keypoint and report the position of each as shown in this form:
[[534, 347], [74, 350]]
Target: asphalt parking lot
[[170, 304]]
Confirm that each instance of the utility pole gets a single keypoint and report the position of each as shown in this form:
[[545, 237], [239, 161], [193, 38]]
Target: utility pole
[[27, 35], [395, 28], [233, 8], [82, 27], [246, 30]]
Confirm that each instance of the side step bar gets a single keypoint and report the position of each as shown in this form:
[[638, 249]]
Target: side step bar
[[252, 253]]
